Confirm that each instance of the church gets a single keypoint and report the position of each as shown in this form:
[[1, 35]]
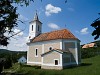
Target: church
[[52, 50]]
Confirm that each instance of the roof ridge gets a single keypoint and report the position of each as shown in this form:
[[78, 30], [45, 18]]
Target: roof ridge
[[54, 31]]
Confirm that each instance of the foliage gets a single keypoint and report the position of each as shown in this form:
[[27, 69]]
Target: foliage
[[14, 68], [1, 67], [8, 18], [97, 43], [96, 25], [8, 63], [90, 52], [11, 57], [14, 55]]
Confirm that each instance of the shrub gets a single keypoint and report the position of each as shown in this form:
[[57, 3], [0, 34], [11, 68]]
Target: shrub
[[89, 52], [1, 67], [8, 63]]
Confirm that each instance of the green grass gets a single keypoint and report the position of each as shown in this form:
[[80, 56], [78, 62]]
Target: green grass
[[14, 68], [90, 66]]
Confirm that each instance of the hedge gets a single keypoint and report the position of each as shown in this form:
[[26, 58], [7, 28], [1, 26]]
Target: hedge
[[90, 52]]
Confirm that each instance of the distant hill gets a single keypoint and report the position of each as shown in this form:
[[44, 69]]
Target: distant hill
[[18, 54], [8, 51], [4, 51]]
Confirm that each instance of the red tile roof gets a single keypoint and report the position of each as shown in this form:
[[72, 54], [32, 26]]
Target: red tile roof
[[53, 35], [89, 45]]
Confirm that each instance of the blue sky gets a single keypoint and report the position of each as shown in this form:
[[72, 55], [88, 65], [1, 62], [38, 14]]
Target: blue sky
[[75, 15]]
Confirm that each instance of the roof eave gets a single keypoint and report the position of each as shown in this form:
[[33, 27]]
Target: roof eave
[[35, 21]]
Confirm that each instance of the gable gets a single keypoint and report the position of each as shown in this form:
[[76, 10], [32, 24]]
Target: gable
[[50, 52], [54, 50], [22, 58]]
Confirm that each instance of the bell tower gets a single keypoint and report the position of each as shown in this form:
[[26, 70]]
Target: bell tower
[[35, 27]]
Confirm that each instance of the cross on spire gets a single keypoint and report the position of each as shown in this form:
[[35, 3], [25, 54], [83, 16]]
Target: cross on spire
[[36, 16]]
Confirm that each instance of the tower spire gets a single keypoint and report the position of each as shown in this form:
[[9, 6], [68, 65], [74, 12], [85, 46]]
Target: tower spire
[[36, 16], [35, 27]]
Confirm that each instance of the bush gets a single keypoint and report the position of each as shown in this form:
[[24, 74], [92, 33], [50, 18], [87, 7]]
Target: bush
[[1, 67], [90, 52], [8, 63]]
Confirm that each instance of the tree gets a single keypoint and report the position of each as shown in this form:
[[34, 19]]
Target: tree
[[8, 62], [1, 67], [96, 25], [9, 18]]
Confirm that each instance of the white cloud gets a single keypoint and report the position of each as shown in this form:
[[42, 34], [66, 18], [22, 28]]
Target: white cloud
[[20, 33], [71, 9], [50, 9], [27, 39], [23, 18], [53, 26], [18, 44], [16, 33], [84, 31]]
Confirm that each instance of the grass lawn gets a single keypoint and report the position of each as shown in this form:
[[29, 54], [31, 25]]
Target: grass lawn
[[90, 66]]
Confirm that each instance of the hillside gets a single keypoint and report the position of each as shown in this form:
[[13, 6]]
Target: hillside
[[8, 51], [14, 54], [4, 51]]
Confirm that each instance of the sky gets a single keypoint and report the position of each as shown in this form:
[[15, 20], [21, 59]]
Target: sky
[[75, 15]]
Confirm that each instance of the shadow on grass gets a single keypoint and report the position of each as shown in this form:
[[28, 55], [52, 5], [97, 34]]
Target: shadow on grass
[[36, 67], [82, 64], [86, 64]]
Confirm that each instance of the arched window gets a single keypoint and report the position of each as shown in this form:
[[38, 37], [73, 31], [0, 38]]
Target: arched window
[[36, 52], [32, 27]]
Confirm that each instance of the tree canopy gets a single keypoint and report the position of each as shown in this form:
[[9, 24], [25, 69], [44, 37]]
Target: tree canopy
[[96, 25], [8, 18]]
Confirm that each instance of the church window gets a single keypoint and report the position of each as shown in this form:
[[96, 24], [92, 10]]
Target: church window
[[38, 28], [56, 62], [36, 52], [32, 27], [50, 48]]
